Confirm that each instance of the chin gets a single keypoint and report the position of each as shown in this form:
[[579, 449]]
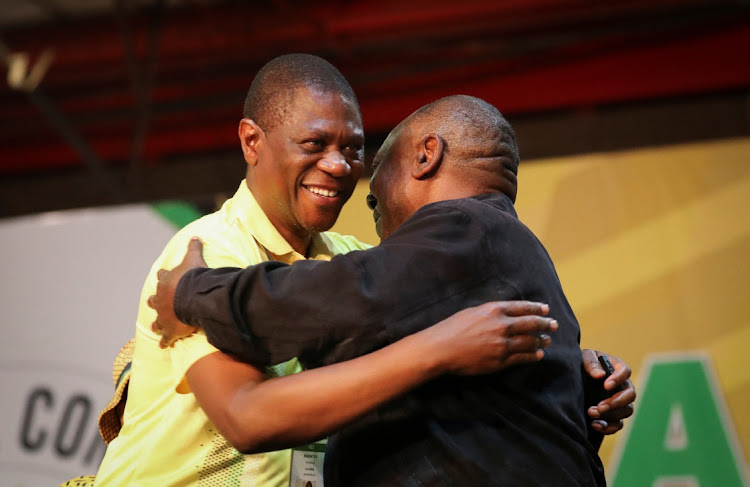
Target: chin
[[320, 224]]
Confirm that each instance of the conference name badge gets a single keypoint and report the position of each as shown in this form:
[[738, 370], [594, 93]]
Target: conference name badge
[[307, 465]]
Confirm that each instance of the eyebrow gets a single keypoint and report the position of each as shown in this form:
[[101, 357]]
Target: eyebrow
[[328, 134]]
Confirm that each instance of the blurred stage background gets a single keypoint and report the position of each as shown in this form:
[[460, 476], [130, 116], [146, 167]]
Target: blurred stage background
[[119, 125]]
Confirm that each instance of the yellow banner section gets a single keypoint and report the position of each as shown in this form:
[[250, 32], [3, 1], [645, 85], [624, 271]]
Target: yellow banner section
[[653, 249]]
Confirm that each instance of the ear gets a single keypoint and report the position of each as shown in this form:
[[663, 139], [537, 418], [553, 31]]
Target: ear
[[252, 138], [431, 149]]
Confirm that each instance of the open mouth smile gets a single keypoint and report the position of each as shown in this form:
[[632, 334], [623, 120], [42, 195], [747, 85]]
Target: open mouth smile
[[326, 193]]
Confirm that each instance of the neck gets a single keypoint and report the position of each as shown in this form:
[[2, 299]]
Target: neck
[[452, 189], [300, 241], [474, 181], [297, 237]]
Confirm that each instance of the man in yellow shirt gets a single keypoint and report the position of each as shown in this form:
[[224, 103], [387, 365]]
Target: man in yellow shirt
[[303, 141]]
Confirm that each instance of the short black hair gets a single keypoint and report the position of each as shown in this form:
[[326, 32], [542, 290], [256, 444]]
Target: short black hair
[[477, 137], [478, 127], [272, 91]]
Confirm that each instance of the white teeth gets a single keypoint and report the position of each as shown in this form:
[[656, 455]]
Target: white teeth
[[322, 192]]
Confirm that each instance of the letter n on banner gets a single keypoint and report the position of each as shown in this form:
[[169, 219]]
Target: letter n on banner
[[681, 434]]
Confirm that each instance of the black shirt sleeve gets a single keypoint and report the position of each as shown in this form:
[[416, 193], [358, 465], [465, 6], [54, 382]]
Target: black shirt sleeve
[[325, 312]]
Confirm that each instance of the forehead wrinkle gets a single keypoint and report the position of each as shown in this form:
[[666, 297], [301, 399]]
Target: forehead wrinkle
[[341, 108], [313, 123], [328, 131]]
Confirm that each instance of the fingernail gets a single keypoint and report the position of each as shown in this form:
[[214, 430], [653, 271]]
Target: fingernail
[[554, 325]]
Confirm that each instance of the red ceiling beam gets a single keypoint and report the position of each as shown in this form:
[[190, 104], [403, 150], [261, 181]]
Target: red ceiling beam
[[583, 74], [707, 64], [710, 63], [210, 35]]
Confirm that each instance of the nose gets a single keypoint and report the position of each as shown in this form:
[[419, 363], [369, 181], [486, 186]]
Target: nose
[[334, 163], [372, 201]]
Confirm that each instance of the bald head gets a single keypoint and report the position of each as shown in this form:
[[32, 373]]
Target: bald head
[[456, 147], [272, 92], [479, 141]]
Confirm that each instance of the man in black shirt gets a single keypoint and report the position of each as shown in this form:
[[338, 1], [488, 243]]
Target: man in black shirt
[[442, 195]]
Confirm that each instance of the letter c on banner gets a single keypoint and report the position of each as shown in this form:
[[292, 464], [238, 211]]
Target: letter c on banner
[[39, 395]]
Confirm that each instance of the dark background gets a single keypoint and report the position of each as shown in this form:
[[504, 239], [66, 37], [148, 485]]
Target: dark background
[[141, 99]]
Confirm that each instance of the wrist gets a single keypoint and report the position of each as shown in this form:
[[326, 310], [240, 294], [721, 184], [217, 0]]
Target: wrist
[[431, 355], [183, 298]]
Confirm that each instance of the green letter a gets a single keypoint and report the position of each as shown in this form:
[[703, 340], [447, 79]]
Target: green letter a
[[681, 434]]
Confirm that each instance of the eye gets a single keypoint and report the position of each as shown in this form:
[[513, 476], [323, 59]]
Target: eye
[[314, 145], [353, 150]]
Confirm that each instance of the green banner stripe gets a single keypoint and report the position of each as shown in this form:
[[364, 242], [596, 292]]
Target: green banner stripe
[[316, 447], [178, 213]]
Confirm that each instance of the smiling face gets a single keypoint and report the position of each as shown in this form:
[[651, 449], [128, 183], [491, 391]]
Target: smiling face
[[308, 166]]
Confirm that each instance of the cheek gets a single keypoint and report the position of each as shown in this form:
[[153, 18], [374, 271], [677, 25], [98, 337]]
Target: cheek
[[399, 205], [394, 210], [375, 186]]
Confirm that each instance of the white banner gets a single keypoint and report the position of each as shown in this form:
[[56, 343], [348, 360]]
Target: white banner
[[69, 297]]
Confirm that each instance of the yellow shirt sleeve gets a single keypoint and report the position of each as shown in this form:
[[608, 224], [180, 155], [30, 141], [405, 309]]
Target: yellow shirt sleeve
[[185, 353], [188, 350]]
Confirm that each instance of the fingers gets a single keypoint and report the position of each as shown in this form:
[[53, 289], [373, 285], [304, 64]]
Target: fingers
[[525, 337], [615, 408], [607, 428], [620, 376], [527, 343], [591, 364], [194, 254], [617, 414], [619, 400], [607, 413], [170, 333], [165, 342], [525, 348], [160, 274], [520, 308], [166, 339], [523, 325], [195, 245]]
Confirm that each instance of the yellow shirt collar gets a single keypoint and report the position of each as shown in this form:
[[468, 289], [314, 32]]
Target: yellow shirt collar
[[244, 209]]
